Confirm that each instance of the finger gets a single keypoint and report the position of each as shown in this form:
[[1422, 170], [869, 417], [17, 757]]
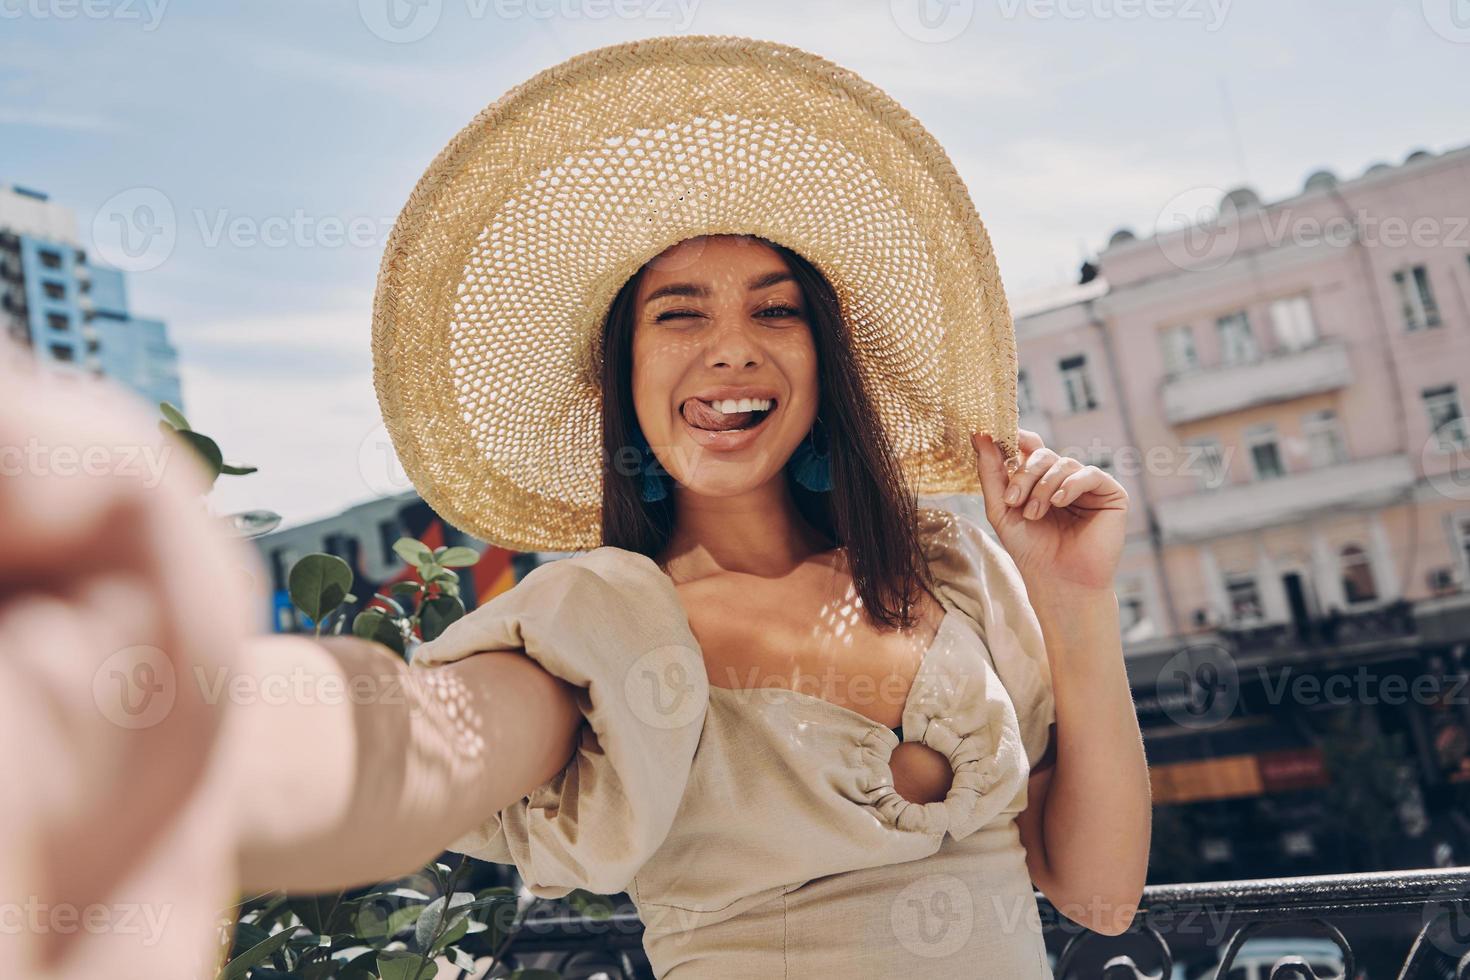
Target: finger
[[1040, 502], [1026, 475], [1029, 441], [991, 463], [1089, 479]]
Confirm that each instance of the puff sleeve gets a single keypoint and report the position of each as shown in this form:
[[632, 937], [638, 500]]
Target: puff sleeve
[[979, 577], [609, 622]]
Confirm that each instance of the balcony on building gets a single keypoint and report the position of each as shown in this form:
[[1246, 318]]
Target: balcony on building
[[1352, 485], [1207, 392]]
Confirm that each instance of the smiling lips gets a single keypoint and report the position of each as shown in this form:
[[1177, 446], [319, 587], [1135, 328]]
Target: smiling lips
[[726, 414]]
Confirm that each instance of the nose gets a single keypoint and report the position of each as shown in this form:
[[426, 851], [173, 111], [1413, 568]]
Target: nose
[[731, 344]]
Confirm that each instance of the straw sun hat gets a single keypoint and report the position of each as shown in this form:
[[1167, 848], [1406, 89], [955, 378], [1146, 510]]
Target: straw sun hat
[[503, 264]]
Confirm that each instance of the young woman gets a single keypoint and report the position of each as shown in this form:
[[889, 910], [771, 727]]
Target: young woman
[[713, 313]]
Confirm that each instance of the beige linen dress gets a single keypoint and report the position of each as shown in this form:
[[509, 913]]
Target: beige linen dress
[[757, 831]]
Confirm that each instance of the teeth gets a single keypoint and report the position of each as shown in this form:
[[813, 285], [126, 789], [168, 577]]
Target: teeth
[[728, 406]]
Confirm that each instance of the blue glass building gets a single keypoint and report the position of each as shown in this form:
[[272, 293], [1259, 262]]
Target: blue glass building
[[71, 313]]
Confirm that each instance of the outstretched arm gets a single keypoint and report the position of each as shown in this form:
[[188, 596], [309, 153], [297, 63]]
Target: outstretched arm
[[361, 769]]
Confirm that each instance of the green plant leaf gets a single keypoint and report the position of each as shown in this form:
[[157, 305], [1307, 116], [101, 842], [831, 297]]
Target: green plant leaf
[[436, 614], [230, 470], [459, 557], [255, 955], [378, 626], [398, 965], [173, 415], [318, 583], [405, 588], [413, 551], [208, 451]]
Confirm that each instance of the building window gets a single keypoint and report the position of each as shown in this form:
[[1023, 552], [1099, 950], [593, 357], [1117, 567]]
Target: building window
[[1446, 421], [1237, 343], [53, 290], [61, 352], [49, 259], [1324, 438], [58, 321], [1208, 464], [1291, 318], [1357, 575], [1075, 381], [1265, 452], [1244, 597], [1178, 346], [1025, 402], [1416, 299]]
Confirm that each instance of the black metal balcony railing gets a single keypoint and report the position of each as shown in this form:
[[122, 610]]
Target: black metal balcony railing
[[1422, 932]]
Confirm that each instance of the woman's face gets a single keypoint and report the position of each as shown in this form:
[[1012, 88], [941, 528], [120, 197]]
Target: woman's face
[[719, 319]]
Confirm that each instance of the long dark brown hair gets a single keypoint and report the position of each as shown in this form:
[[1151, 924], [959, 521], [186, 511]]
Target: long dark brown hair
[[869, 510]]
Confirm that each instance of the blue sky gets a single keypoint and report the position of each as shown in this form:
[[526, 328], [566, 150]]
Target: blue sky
[[284, 136]]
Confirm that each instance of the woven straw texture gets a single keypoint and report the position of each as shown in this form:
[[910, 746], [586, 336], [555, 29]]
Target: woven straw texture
[[501, 268]]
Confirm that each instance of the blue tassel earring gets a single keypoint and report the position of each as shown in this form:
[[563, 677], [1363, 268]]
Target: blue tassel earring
[[653, 488], [811, 467]]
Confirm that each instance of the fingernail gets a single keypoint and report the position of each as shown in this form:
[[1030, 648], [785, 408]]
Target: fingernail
[[1056, 498], [1013, 495], [1033, 508]]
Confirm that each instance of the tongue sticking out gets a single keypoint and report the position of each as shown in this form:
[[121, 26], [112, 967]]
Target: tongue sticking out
[[702, 416]]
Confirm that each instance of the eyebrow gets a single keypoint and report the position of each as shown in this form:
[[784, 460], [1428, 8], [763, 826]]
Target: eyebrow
[[761, 281]]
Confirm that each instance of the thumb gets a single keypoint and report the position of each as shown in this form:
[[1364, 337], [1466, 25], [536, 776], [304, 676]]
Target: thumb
[[993, 479]]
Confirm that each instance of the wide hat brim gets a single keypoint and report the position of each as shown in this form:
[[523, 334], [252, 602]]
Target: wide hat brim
[[502, 266]]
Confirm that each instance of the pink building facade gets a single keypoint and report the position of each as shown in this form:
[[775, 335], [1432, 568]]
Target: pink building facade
[[1283, 393]]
